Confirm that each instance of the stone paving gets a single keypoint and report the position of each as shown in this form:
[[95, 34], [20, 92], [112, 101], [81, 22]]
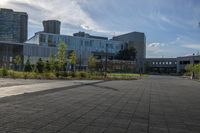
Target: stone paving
[[9, 87], [157, 104]]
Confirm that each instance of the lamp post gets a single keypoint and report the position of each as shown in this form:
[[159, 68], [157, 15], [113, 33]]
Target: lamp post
[[193, 75], [106, 61]]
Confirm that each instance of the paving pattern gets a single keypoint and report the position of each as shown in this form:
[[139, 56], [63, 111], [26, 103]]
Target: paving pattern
[[10, 87], [157, 104]]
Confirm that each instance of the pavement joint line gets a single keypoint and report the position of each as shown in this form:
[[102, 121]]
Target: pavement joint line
[[59, 99], [186, 125], [49, 102], [104, 112], [120, 110], [161, 105], [68, 113], [79, 117], [149, 109], [42, 110], [173, 103], [133, 115]]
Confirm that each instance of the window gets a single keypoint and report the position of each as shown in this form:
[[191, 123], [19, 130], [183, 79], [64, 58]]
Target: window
[[42, 38], [50, 40]]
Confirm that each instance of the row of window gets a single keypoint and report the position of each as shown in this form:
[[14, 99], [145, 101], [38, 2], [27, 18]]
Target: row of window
[[95, 44], [163, 63]]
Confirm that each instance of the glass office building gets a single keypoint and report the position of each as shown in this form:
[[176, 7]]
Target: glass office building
[[43, 44], [13, 26]]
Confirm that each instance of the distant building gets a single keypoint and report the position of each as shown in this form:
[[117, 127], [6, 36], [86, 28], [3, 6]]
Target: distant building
[[170, 65], [13, 26], [161, 65], [52, 26], [138, 41], [185, 60]]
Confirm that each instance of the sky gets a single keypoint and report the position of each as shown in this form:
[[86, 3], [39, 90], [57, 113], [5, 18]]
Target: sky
[[171, 27]]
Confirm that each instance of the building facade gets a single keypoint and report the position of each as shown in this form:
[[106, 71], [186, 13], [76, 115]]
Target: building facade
[[52, 26], [44, 44], [161, 65], [138, 41], [183, 61], [8, 51], [13, 26]]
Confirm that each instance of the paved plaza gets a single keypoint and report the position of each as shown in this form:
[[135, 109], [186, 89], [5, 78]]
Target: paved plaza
[[154, 104]]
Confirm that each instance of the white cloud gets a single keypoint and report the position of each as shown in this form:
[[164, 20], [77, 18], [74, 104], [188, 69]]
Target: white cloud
[[155, 48], [192, 46], [156, 45], [67, 11]]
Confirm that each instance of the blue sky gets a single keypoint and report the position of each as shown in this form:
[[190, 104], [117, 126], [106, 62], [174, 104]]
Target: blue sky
[[171, 26]]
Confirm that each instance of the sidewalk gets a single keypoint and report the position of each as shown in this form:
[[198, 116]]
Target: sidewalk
[[17, 89]]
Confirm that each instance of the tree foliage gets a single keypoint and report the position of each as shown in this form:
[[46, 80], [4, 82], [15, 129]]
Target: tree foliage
[[62, 58], [91, 62], [28, 67], [47, 66], [40, 65], [72, 58], [190, 68], [126, 54], [52, 62], [18, 61]]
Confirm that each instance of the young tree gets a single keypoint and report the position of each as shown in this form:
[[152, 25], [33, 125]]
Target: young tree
[[72, 58], [40, 65], [52, 62], [47, 66], [62, 59], [92, 63], [27, 67], [18, 61]]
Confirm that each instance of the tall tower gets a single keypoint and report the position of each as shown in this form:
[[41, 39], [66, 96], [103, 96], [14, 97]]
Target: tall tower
[[13, 26], [52, 26]]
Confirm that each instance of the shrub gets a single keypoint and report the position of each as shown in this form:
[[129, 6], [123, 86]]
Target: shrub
[[40, 65], [83, 74], [49, 75], [77, 75], [4, 72], [28, 67]]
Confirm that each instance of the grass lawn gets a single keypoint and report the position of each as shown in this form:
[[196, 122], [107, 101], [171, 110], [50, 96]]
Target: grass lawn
[[124, 75]]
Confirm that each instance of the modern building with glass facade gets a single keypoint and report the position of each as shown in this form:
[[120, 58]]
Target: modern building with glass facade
[[138, 41], [43, 44], [13, 35], [13, 26]]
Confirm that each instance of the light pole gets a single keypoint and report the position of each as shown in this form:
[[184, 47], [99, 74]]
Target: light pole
[[193, 66], [106, 61]]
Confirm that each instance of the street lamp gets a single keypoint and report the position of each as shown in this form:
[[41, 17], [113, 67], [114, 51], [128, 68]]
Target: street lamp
[[106, 61], [193, 66]]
